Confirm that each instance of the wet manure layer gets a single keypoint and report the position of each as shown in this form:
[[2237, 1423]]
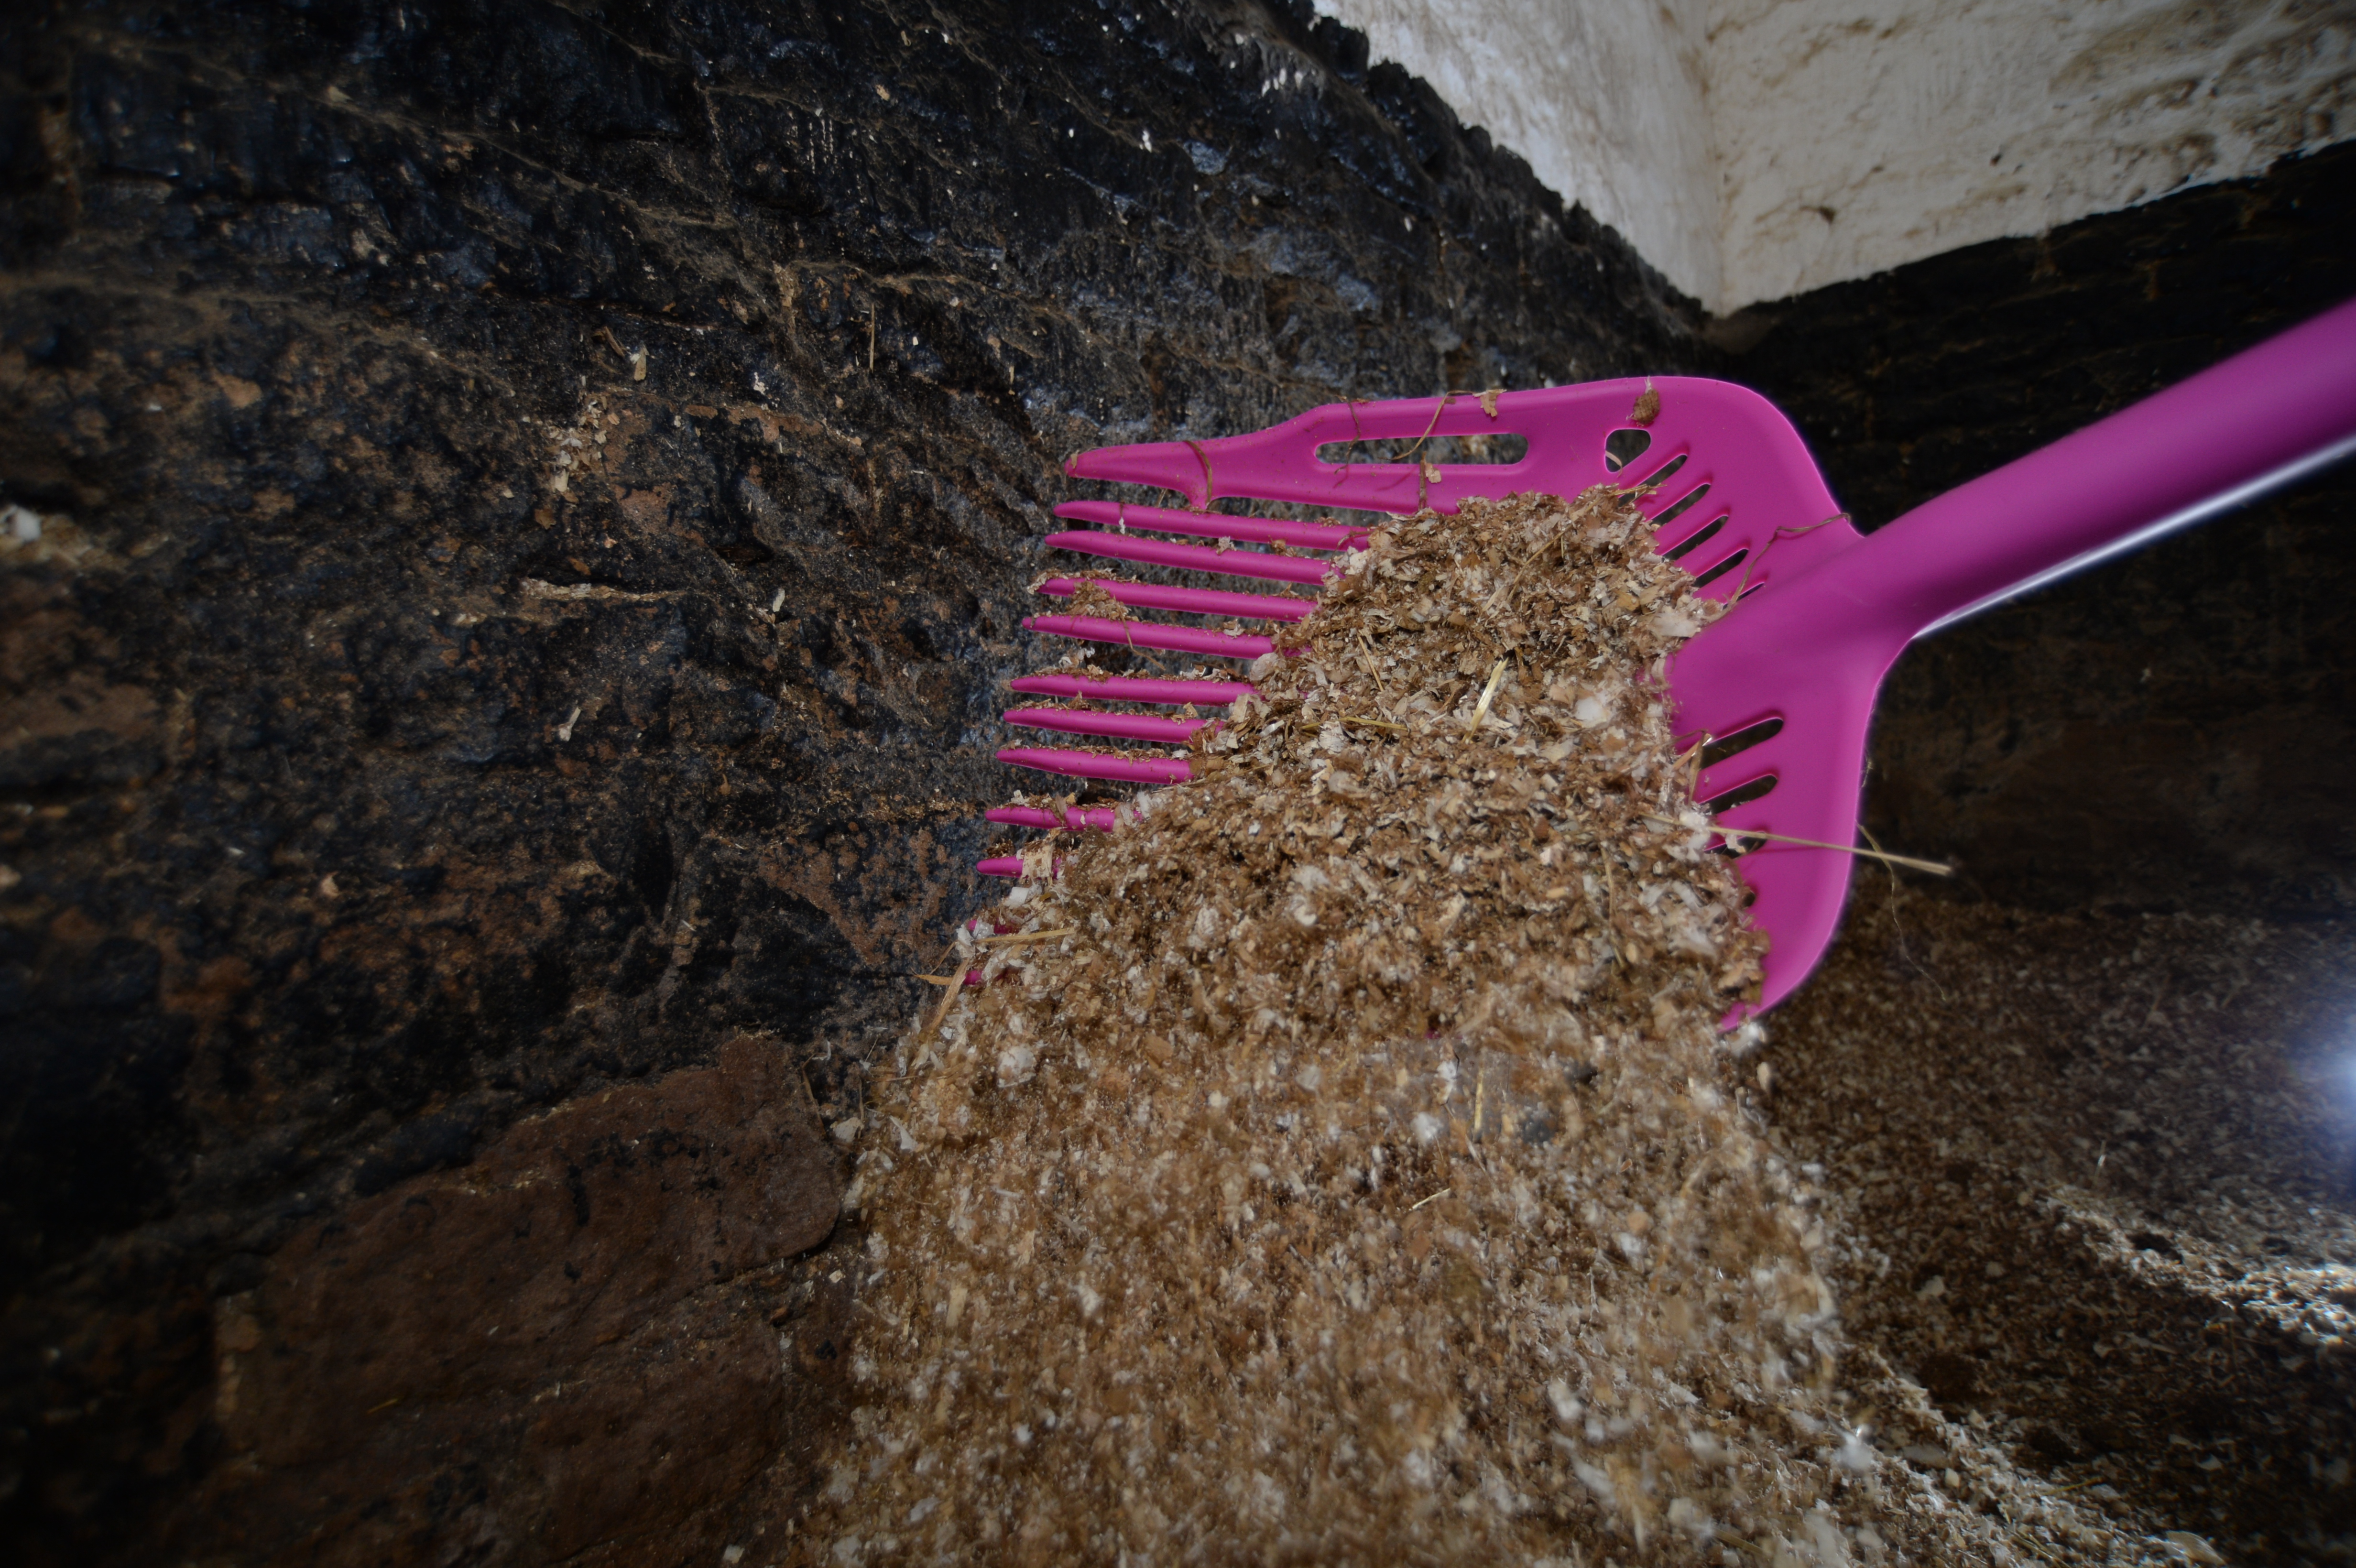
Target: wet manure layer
[[1343, 1163]]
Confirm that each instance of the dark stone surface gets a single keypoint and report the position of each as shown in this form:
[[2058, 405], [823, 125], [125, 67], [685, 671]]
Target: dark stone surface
[[2170, 731], [541, 1353], [369, 798]]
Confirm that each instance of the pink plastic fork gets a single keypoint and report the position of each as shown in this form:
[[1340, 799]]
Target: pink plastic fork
[[1825, 612]]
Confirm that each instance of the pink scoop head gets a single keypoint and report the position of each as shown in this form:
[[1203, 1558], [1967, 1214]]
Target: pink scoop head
[[1742, 499], [1824, 609]]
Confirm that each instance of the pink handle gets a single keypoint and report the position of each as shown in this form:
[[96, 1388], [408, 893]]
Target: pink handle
[[1812, 647], [2261, 419]]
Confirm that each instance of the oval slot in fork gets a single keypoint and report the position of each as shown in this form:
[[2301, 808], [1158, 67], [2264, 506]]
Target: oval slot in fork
[[1704, 578], [1685, 547]]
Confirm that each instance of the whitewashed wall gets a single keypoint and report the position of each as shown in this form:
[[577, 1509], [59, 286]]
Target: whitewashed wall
[[1605, 100], [1854, 135], [1752, 149]]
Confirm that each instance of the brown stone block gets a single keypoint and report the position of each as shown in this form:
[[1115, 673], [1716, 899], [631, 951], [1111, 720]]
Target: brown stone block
[[544, 1348], [672, 1412]]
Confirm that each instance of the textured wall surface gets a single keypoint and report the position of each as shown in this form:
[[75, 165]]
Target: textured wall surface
[[1608, 101], [2170, 731], [1856, 135], [1756, 149], [532, 503]]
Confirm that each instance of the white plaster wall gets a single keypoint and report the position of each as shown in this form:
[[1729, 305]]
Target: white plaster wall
[[1605, 98], [1854, 135], [1754, 149]]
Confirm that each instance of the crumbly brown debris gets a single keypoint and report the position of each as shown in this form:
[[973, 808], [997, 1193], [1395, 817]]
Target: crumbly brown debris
[[1090, 596], [1361, 1177], [2092, 1172]]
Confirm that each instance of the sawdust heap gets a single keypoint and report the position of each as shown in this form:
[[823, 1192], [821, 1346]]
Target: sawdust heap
[[2095, 1172], [1343, 1161]]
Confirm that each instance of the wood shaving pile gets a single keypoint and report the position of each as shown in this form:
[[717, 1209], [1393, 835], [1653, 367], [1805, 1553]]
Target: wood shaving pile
[[1341, 1162]]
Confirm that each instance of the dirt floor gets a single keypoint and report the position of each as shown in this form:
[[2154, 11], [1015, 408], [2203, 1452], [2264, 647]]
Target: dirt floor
[[2094, 1173]]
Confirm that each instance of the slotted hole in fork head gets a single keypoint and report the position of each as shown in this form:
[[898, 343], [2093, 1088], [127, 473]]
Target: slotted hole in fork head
[[1622, 447], [1724, 746], [1250, 506], [1686, 504], [1495, 446], [1705, 579], [1693, 543], [1666, 472], [1744, 794]]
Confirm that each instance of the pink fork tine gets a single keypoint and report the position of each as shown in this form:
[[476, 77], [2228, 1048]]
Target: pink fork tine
[[1132, 688], [1213, 524], [1098, 817], [1197, 600], [1118, 726], [1192, 601], [1001, 865], [1156, 635], [1097, 764], [1194, 557]]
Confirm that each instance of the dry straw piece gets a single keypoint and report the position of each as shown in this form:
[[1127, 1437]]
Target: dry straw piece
[[1352, 1170]]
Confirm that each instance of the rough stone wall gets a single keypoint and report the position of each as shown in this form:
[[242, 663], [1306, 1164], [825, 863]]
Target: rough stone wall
[[1851, 136], [1610, 103], [1758, 149], [2170, 731], [520, 512]]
